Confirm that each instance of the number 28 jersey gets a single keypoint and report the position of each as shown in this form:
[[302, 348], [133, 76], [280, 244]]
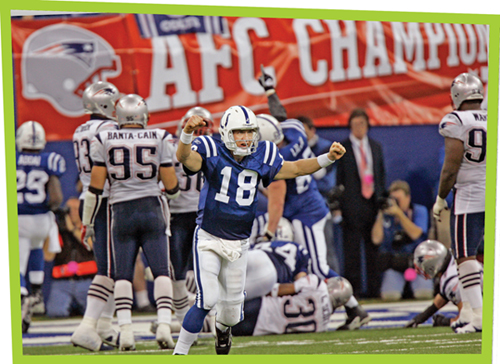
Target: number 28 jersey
[[469, 127], [133, 158], [227, 205]]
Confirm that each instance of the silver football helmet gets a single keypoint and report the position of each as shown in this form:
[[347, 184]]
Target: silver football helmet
[[30, 135], [339, 290], [204, 113], [239, 118], [100, 98], [269, 128], [430, 257], [284, 230], [132, 109], [466, 86]]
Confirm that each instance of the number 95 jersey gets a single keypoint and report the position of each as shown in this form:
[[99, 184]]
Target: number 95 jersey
[[469, 127], [228, 198], [133, 158]]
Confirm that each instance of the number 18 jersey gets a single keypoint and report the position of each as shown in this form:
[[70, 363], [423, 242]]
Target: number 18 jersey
[[469, 127], [133, 158]]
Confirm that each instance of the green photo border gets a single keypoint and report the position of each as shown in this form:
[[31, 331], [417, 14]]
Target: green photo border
[[493, 67]]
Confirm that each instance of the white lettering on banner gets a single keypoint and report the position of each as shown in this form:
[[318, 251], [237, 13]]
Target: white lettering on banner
[[210, 59], [169, 47], [482, 33], [452, 59], [468, 48], [376, 49], [340, 43], [241, 28], [413, 45], [312, 77], [435, 36]]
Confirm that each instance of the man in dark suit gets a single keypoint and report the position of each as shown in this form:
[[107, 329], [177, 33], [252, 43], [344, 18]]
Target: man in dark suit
[[362, 174]]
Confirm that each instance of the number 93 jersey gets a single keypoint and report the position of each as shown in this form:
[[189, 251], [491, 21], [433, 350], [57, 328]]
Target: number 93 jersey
[[133, 158], [33, 174], [228, 198], [469, 127]]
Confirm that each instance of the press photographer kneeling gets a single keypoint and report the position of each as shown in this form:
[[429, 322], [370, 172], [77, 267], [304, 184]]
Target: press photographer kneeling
[[400, 226]]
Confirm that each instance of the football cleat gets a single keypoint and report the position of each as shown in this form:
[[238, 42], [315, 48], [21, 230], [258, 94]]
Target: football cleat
[[468, 329], [356, 317], [36, 302], [223, 341], [86, 337], [25, 313], [127, 340], [110, 337], [164, 336]]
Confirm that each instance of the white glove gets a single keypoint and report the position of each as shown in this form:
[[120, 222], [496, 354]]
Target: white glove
[[439, 206], [88, 233], [307, 281]]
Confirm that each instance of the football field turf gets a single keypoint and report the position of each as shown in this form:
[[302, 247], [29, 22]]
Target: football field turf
[[383, 335]]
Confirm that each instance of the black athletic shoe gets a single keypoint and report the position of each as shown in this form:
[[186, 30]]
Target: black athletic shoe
[[223, 341], [440, 320], [356, 317]]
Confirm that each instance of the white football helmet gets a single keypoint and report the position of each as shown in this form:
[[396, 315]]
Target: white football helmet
[[284, 231], [339, 291], [269, 128], [100, 98], [466, 86], [204, 113], [30, 135], [430, 258], [132, 109], [239, 118]]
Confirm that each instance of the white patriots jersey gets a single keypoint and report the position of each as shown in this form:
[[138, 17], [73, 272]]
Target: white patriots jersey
[[133, 158], [81, 145], [449, 283], [307, 311], [228, 199], [190, 186], [469, 127]]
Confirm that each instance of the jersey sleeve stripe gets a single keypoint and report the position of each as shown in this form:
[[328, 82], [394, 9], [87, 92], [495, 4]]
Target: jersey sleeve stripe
[[214, 148], [50, 161], [266, 155], [274, 153], [207, 148], [458, 117]]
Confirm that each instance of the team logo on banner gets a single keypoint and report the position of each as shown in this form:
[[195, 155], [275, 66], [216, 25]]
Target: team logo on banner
[[60, 61], [154, 25]]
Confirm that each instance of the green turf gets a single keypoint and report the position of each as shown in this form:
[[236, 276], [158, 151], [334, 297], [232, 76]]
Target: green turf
[[424, 340]]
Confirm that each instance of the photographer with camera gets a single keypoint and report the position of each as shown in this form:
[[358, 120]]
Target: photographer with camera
[[400, 226]]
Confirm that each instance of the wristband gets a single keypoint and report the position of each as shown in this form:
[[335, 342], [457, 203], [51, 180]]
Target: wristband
[[270, 92], [274, 291], [186, 138], [324, 161], [174, 192]]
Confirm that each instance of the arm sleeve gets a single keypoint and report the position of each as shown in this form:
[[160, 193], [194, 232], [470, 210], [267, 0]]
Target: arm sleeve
[[276, 108], [97, 151]]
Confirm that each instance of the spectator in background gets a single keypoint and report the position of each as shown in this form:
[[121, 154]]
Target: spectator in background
[[362, 174], [74, 267], [400, 226]]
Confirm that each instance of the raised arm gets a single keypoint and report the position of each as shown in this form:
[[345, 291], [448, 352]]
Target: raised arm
[[303, 167], [275, 107], [189, 158]]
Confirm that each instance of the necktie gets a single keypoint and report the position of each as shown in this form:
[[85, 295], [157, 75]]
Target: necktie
[[365, 175]]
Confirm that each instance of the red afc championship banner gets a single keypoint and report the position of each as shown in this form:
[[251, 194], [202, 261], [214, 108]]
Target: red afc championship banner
[[400, 72]]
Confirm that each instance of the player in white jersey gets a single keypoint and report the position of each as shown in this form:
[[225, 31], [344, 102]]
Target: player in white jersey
[[432, 259], [99, 101], [302, 306], [38, 194], [464, 169], [132, 159], [183, 217], [233, 169]]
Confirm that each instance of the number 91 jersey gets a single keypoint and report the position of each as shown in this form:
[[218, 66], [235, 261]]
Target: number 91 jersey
[[133, 158], [33, 174], [228, 198], [469, 127]]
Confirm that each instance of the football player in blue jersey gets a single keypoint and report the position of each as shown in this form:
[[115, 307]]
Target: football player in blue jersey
[[299, 199], [38, 194], [133, 159], [233, 169], [98, 101]]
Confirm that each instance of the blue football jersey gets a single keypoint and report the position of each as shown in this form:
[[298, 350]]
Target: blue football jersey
[[33, 174], [289, 258], [228, 199], [303, 200]]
